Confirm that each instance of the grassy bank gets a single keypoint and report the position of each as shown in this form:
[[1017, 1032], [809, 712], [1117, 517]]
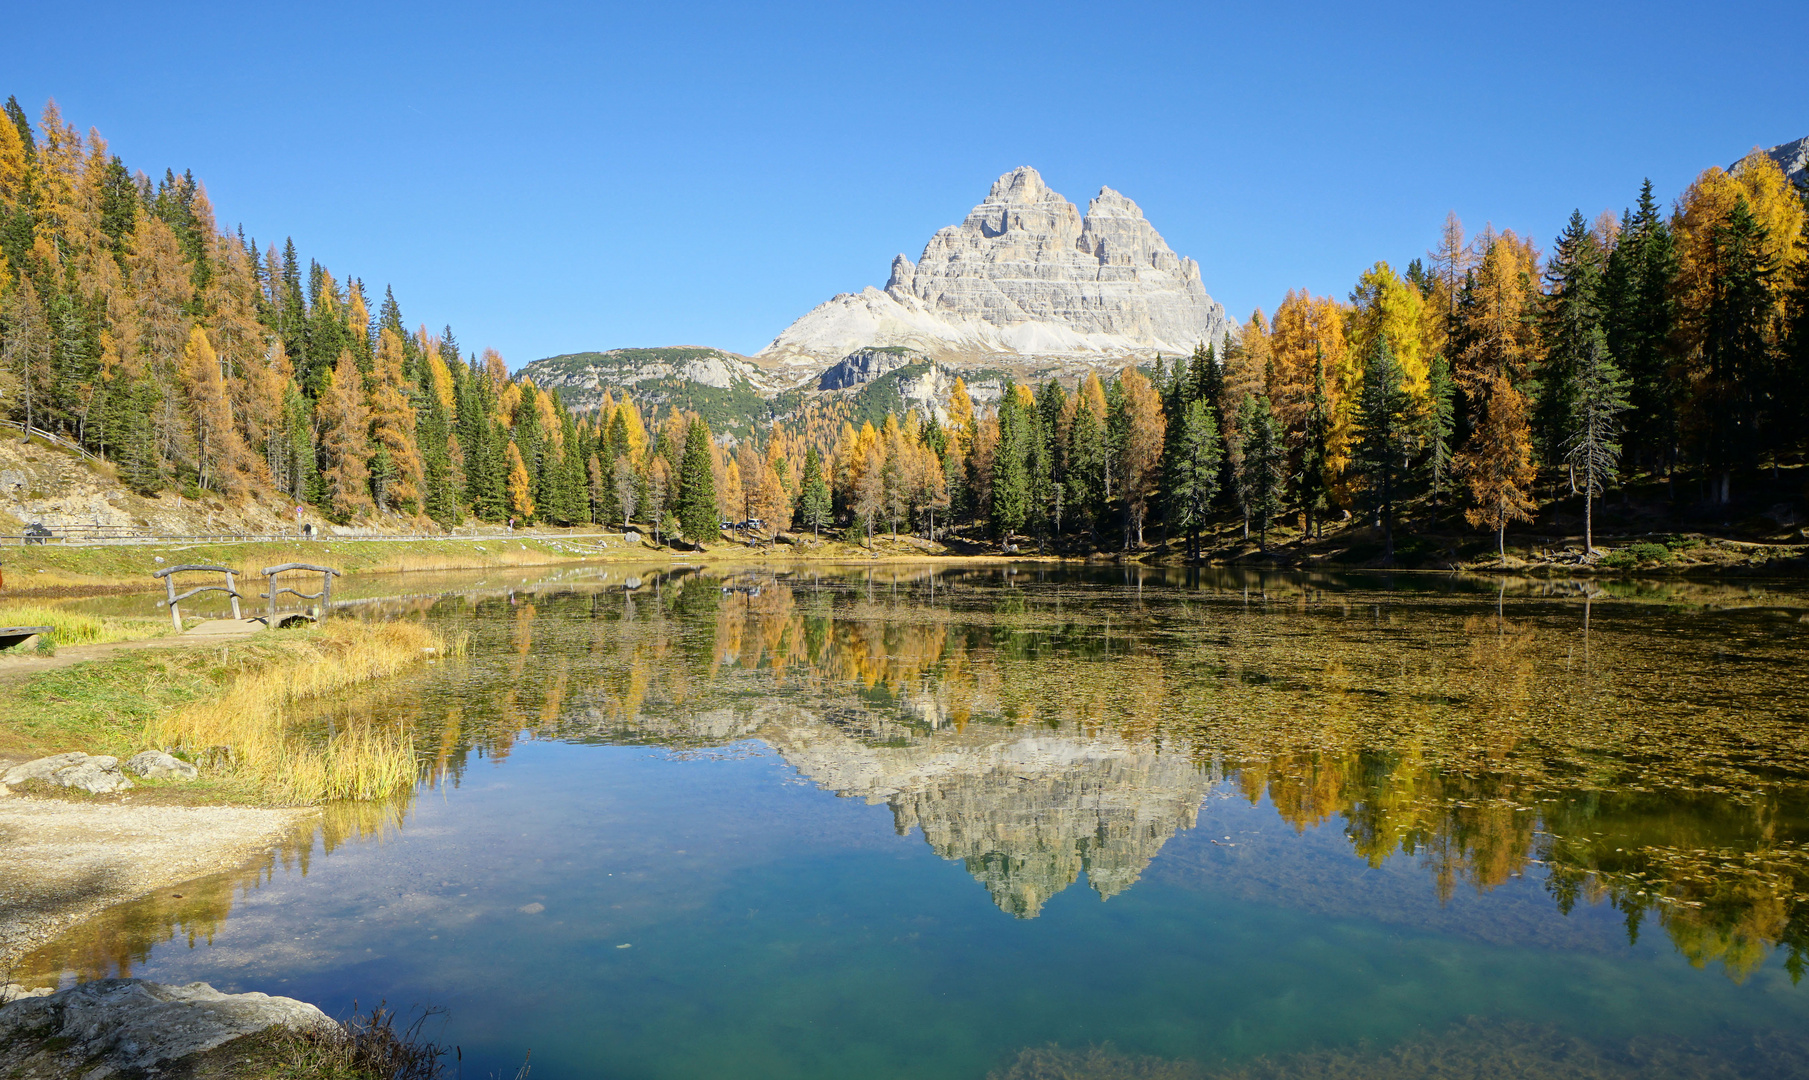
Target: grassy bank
[[50, 568], [228, 709]]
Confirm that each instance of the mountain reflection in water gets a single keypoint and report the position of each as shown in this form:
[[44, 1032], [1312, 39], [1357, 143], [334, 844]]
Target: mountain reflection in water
[[1647, 753]]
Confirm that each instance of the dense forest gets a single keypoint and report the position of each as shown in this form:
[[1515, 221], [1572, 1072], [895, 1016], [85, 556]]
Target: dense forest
[[1487, 380]]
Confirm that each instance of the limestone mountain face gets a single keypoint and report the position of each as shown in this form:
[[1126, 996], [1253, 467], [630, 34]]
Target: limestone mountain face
[[1024, 276], [1792, 157]]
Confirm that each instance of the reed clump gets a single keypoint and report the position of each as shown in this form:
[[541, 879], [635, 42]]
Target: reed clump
[[246, 727], [73, 628]]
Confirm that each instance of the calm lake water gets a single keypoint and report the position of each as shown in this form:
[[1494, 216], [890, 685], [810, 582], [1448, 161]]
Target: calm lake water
[[1028, 823]]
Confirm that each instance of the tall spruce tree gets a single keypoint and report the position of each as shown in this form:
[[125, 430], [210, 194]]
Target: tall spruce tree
[[1571, 321], [1638, 316], [1735, 349], [1262, 475], [1438, 422], [697, 514], [1191, 476], [1011, 464], [814, 504], [1315, 448], [1384, 435], [1593, 450]]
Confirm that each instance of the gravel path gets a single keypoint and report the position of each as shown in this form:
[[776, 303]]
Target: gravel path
[[63, 861]]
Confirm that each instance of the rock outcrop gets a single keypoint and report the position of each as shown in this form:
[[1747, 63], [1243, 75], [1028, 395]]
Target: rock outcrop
[[1024, 276], [1793, 158], [865, 365], [129, 1026]]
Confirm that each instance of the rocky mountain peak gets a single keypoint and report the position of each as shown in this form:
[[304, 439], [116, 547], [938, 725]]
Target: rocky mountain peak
[[1024, 275]]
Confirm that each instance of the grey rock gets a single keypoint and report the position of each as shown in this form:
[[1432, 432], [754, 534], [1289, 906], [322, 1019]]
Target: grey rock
[[864, 366], [99, 1029], [93, 773], [157, 765], [1792, 157]]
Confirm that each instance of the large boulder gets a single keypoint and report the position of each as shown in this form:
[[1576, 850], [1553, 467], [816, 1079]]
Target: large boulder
[[96, 774], [112, 1026], [157, 765]]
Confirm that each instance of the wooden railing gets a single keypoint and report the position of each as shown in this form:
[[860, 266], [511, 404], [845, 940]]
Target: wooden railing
[[271, 592], [168, 574], [55, 440]]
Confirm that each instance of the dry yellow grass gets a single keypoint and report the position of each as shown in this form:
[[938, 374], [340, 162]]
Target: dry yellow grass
[[247, 725], [71, 628]]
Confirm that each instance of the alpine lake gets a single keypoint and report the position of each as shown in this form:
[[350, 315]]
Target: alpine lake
[[1026, 821]]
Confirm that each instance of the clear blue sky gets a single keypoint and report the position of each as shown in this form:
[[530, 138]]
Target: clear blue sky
[[552, 178]]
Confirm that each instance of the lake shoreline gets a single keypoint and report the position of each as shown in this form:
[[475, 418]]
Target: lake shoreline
[[66, 861]]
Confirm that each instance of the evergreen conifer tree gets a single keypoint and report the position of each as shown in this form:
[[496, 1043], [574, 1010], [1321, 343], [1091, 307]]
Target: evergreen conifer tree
[[1384, 434], [1571, 319], [697, 514], [1011, 465], [1438, 422], [1734, 345], [1639, 314], [1262, 475], [1315, 439], [814, 502], [1192, 474], [1593, 449]]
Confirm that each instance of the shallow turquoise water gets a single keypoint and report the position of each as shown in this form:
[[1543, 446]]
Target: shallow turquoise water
[[661, 834]]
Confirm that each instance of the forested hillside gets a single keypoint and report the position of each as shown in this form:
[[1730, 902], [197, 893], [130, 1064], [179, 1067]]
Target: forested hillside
[[1484, 384]]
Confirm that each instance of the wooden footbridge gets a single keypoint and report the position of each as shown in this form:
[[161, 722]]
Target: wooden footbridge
[[274, 615]]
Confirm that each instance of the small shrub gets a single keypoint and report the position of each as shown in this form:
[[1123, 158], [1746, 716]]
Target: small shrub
[[1633, 555]]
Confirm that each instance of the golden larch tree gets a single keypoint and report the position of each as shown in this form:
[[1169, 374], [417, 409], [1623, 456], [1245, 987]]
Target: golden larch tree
[[221, 460], [521, 488], [1140, 458], [344, 425], [393, 427]]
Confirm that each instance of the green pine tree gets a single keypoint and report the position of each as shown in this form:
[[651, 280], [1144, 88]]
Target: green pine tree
[[1593, 450], [1191, 477], [814, 504], [1315, 439], [697, 514], [1735, 347], [1262, 477], [1011, 465], [1571, 320], [1385, 423], [1639, 314], [1437, 425]]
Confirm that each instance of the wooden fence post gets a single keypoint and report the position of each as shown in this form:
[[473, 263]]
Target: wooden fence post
[[175, 616]]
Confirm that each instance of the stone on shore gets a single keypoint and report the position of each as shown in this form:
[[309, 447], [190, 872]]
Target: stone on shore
[[96, 774], [112, 1026], [157, 765]]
